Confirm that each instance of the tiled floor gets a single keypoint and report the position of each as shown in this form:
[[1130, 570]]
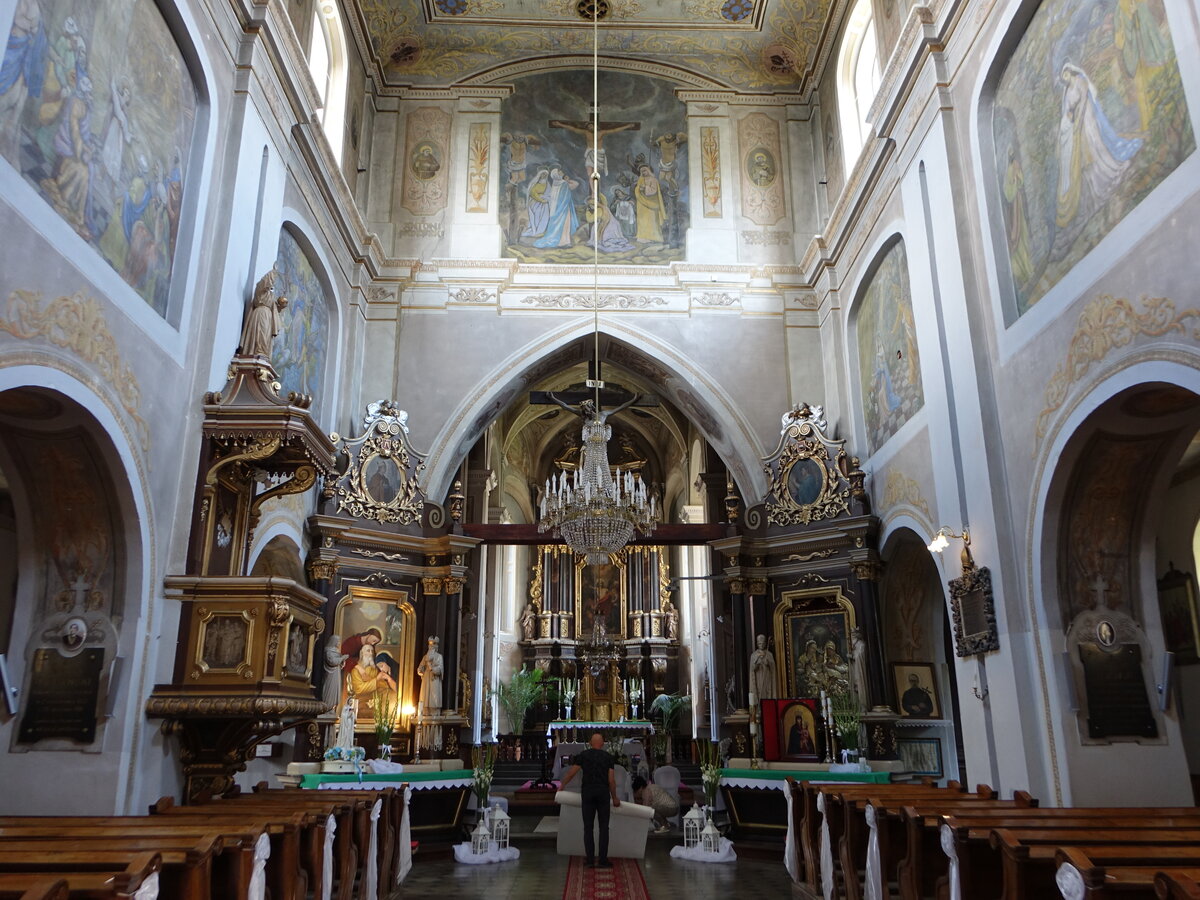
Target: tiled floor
[[541, 873]]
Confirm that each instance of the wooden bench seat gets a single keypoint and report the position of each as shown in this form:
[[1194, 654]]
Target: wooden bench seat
[[88, 877], [1175, 885], [1130, 871]]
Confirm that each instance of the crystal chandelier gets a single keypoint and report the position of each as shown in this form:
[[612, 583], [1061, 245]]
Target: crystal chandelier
[[597, 509], [596, 654]]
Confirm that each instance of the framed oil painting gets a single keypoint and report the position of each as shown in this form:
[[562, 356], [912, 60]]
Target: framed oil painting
[[813, 631], [1180, 621], [600, 595], [377, 629], [793, 730], [916, 690], [921, 756]]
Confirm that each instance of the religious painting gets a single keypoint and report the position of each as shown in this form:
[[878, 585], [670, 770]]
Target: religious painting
[[378, 639], [916, 690], [383, 478], [97, 111], [1089, 116], [1180, 618], [600, 598], [889, 368], [805, 481], [425, 170], [762, 190], [814, 634], [793, 730], [225, 642], [546, 212], [298, 353], [921, 756]]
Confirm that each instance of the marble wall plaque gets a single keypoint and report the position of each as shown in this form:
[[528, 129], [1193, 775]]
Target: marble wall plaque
[[1117, 702], [63, 693]]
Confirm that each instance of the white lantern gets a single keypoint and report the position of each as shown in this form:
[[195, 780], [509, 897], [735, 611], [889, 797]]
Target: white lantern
[[500, 822], [480, 839], [711, 838], [693, 822]]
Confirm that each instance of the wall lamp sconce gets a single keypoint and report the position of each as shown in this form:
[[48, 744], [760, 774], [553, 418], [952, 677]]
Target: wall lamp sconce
[[941, 540]]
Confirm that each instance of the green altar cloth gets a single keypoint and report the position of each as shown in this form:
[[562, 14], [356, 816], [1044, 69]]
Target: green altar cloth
[[312, 782], [740, 775]]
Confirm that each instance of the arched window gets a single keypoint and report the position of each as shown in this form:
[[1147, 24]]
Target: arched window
[[858, 79], [327, 63]]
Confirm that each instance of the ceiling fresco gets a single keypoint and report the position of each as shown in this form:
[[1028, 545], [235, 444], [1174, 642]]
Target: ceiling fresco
[[760, 46]]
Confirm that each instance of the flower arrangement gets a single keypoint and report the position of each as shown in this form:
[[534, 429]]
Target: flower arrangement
[[483, 765], [385, 706], [847, 717], [710, 769]]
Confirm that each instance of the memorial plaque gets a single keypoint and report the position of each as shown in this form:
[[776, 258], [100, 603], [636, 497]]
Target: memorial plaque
[[63, 693], [1118, 705]]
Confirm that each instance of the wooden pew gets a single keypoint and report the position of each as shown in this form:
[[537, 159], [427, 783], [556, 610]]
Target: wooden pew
[[1030, 856], [1130, 872], [186, 861], [312, 818], [1168, 886], [978, 866], [244, 843], [87, 877], [821, 827], [48, 889], [893, 852]]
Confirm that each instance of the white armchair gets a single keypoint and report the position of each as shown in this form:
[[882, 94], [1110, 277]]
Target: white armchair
[[627, 827], [667, 778]]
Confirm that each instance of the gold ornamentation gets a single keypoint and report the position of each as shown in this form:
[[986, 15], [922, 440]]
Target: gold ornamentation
[[901, 490], [806, 478], [807, 557], [381, 482], [454, 585], [867, 570], [77, 324], [431, 587], [1104, 325], [758, 587], [479, 151], [380, 554]]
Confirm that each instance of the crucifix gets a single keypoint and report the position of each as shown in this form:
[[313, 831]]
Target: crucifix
[[590, 162], [1100, 588], [81, 589], [591, 399]]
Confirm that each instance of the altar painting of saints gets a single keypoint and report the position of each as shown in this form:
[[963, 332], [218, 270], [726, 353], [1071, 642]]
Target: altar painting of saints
[[600, 600], [1089, 117], [378, 645], [816, 647]]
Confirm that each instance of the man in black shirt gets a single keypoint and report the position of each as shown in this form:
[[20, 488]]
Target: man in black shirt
[[599, 783]]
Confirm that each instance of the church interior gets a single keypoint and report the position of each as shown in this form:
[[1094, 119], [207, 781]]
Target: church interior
[[778, 388]]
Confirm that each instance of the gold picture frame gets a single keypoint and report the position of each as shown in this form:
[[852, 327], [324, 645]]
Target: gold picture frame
[[601, 588], [389, 613]]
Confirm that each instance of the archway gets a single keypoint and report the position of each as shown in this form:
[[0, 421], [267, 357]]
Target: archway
[[66, 613], [920, 654], [1115, 515]]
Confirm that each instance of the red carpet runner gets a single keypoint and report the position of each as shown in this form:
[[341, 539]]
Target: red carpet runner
[[623, 881]]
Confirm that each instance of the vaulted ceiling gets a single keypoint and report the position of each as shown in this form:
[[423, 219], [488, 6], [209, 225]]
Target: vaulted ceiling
[[758, 46]]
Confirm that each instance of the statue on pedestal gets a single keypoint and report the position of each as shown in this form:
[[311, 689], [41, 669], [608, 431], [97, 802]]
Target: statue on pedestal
[[345, 729], [331, 690], [264, 318], [528, 621], [763, 680], [429, 669], [858, 661]]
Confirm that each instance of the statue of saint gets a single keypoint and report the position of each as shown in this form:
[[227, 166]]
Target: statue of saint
[[429, 669], [345, 729], [762, 671], [671, 614], [858, 662], [264, 319], [528, 621], [331, 690]]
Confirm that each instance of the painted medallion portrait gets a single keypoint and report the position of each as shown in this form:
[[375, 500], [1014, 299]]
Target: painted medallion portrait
[[760, 167], [805, 481]]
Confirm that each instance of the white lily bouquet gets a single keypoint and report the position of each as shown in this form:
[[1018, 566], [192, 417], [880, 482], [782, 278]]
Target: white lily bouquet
[[710, 770], [483, 765]]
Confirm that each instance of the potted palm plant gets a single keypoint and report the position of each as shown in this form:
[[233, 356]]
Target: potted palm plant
[[670, 707], [515, 698]]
